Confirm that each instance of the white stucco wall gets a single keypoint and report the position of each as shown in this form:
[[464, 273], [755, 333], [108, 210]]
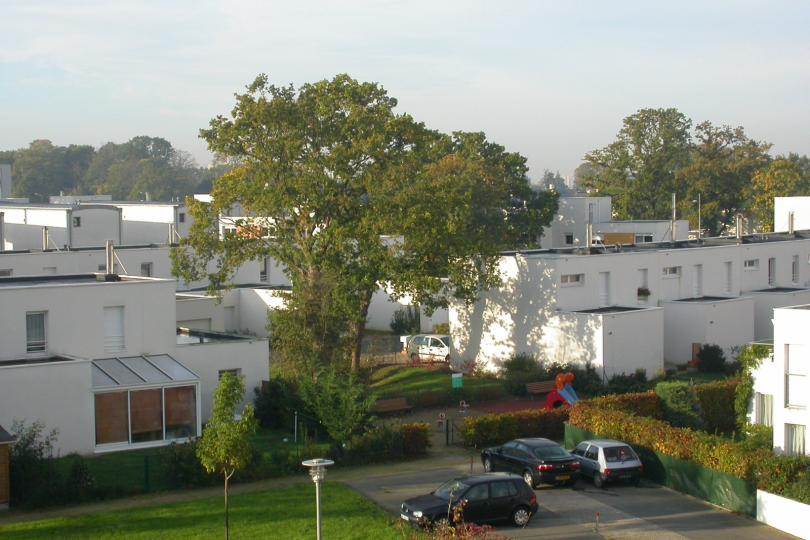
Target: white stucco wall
[[633, 340], [784, 514], [208, 359], [782, 206], [192, 310], [790, 329], [764, 304], [75, 316], [57, 394], [727, 323]]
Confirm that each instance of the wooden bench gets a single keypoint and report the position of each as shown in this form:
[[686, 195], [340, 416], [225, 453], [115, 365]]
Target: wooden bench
[[392, 405], [540, 387]]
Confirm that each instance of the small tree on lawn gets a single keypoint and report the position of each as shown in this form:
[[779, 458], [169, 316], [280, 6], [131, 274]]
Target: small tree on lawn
[[341, 403], [225, 444]]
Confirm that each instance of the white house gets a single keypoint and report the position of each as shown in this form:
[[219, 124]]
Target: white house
[[46, 226], [784, 207], [98, 357], [569, 226], [632, 307], [782, 382]]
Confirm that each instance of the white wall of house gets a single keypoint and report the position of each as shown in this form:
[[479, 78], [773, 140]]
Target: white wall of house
[[516, 316], [727, 323], [250, 357], [200, 312], [783, 206], [24, 226], [75, 317], [791, 338], [147, 223], [382, 309], [783, 514], [57, 394], [659, 230], [766, 301]]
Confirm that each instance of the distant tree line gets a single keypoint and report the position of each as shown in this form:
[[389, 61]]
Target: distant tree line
[[658, 152], [127, 171]]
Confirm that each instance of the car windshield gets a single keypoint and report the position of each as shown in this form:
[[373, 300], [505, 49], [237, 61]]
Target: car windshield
[[451, 488], [446, 341], [619, 453], [550, 452]]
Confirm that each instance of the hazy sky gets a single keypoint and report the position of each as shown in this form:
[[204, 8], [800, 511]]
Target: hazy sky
[[551, 80]]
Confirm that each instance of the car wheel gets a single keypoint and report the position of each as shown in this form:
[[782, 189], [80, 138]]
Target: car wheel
[[528, 478], [598, 481], [487, 465], [521, 516]]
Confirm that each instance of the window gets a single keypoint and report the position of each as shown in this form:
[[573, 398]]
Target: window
[[697, 285], [181, 217], [77, 221], [112, 418], [263, 273], [642, 238], [751, 264], [772, 271], [102, 268], [503, 489], [478, 493], [114, 329], [580, 449], [569, 239], [235, 372], [6, 272], [671, 271], [763, 409], [146, 269], [592, 453], [572, 279], [146, 415], [796, 358], [794, 439], [181, 412], [729, 276], [795, 269], [35, 337], [48, 269]]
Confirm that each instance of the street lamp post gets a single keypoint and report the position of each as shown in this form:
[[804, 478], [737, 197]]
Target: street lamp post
[[317, 470]]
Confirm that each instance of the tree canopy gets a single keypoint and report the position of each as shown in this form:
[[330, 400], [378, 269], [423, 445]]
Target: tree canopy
[[349, 195], [127, 171], [784, 176], [657, 153]]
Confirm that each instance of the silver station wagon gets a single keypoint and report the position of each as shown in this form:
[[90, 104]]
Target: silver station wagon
[[608, 461]]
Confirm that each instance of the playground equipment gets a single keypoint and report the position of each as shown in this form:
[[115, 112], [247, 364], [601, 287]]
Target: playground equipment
[[563, 394]]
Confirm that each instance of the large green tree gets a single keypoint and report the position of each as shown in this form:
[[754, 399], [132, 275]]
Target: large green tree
[[638, 170], [722, 163], [44, 169], [349, 196], [785, 176]]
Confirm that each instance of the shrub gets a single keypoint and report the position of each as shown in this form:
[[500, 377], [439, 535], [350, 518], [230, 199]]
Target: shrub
[[622, 384], [490, 429], [711, 359], [749, 358], [519, 370], [680, 404], [717, 405], [757, 437], [640, 403], [385, 443], [415, 439], [406, 320], [441, 328], [341, 403], [79, 484], [33, 475], [181, 466]]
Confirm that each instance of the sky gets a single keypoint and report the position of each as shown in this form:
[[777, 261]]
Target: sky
[[551, 80]]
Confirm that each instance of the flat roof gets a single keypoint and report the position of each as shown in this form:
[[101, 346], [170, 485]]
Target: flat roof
[[70, 279], [88, 248], [780, 290], [35, 360], [610, 309], [706, 299], [609, 249], [186, 336]]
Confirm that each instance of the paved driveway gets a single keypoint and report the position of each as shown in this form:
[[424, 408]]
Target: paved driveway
[[649, 511]]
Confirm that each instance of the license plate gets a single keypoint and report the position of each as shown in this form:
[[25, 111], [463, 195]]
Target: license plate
[[403, 516], [564, 477]]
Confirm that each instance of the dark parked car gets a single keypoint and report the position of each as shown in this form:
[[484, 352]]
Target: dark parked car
[[609, 461], [538, 461], [485, 498]]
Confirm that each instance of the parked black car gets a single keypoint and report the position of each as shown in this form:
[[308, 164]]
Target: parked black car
[[538, 461], [485, 498]]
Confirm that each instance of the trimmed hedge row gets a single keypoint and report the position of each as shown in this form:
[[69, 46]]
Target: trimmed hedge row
[[491, 429], [640, 403], [717, 405], [386, 443]]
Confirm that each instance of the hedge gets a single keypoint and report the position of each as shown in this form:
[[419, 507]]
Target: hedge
[[717, 403], [640, 403], [491, 429], [386, 443]]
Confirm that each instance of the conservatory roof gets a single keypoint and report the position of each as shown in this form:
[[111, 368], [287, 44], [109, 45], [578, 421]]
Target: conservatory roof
[[144, 370]]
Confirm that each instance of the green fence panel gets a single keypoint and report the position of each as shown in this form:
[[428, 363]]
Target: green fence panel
[[715, 487]]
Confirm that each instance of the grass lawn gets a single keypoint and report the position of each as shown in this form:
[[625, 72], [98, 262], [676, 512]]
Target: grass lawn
[[405, 381], [278, 513], [698, 377]]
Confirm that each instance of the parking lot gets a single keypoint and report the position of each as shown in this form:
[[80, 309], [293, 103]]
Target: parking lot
[[648, 511]]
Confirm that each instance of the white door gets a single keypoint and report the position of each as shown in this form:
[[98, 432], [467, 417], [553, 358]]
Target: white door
[[604, 289]]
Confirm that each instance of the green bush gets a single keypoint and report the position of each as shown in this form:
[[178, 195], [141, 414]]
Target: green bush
[[523, 368], [717, 405], [680, 404], [406, 320], [519, 370], [757, 437], [623, 384], [385, 443], [711, 359], [276, 403], [34, 479], [181, 466], [491, 429], [639, 403], [79, 484], [749, 358]]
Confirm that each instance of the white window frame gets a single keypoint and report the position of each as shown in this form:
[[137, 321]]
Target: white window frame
[[763, 409], [37, 346], [751, 265], [795, 435], [794, 269], [6, 272], [237, 372], [566, 235], [572, 280], [149, 269], [670, 272], [642, 238], [76, 222], [794, 378]]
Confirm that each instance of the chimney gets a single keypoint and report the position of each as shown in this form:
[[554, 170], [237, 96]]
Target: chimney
[[790, 222], [739, 226], [110, 253], [45, 238], [674, 224], [146, 196]]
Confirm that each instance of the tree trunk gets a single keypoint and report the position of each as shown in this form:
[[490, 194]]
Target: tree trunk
[[227, 529], [358, 328]]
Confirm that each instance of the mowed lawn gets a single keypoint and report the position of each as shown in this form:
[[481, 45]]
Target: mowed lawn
[[404, 381], [287, 512]]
